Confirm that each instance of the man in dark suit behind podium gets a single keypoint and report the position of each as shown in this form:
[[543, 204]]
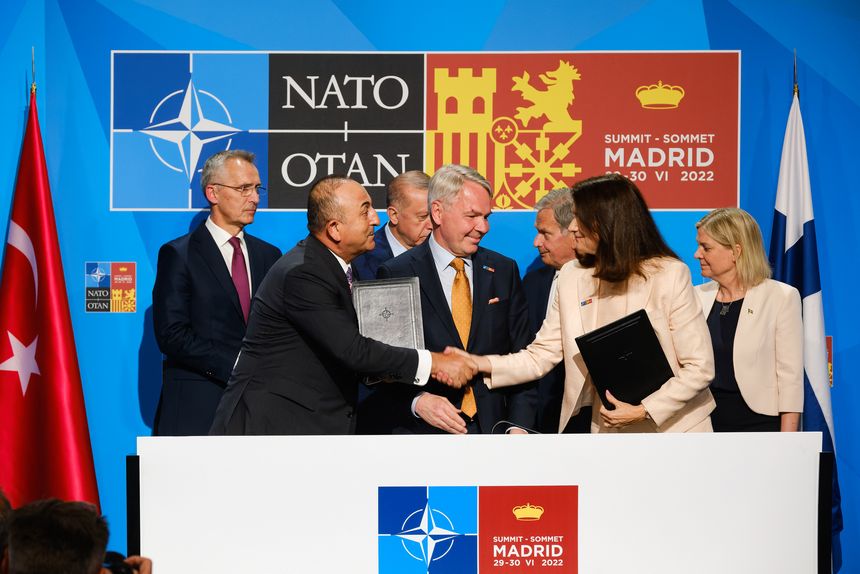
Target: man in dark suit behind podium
[[198, 313], [486, 314], [303, 355], [408, 223], [555, 245]]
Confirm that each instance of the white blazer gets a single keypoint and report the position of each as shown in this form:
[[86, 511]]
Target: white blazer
[[682, 404], [768, 348]]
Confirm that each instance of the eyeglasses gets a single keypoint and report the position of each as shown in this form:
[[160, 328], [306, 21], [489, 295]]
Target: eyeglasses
[[245, 189]]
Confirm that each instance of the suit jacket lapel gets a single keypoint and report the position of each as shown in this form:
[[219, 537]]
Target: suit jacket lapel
[[587, 295], [483, 279], [332, 267], [753, 300], [638, 290], [211, 255], [707, 296], [546, 277], [425, 270], [255, 260]]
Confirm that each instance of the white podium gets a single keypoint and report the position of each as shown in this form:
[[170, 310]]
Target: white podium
[[703, 503]]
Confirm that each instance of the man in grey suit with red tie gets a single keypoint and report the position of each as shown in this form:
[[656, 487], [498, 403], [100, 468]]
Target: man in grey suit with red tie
[[202, 295], [471, 298]]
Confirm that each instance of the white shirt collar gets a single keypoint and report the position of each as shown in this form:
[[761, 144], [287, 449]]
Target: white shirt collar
[[396, 247], [442, 257], [343, 264], [219, 234]]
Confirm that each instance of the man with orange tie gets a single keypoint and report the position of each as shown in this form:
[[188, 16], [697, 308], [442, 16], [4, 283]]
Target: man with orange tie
[[471, 298], [202, 295]]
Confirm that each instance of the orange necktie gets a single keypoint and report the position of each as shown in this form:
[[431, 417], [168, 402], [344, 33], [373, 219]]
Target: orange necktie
[[461, 311]]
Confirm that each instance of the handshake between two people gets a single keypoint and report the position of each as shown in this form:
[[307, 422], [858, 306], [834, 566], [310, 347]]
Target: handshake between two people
[[455, 367]]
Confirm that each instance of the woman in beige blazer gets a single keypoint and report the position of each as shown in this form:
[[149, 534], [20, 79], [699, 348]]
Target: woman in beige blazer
[[755, 324], [622, 265]]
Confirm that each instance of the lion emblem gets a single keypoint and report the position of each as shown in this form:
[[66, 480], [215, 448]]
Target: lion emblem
[[551, 102]]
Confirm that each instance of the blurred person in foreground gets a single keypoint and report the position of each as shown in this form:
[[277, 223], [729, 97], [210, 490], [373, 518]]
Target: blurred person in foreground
[[623, 265], [5, 512], [57, 537], [756, 328]]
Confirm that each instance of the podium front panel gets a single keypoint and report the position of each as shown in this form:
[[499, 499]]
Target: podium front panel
[[704, 503]]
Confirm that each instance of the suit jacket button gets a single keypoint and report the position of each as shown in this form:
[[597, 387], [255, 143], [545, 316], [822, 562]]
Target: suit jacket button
[[349, 413]]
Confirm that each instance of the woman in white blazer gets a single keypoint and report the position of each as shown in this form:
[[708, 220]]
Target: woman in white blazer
[[755, 324], [622, 265]]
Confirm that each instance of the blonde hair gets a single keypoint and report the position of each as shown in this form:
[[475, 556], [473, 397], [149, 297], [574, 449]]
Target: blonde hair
[[730, 226]]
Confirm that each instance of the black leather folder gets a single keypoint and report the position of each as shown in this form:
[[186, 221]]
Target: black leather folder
[[625, 357]]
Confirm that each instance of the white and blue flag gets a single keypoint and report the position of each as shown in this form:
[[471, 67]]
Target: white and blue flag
[[794, 256]]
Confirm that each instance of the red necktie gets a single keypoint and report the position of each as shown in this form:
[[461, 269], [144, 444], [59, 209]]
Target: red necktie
[[240, 277]]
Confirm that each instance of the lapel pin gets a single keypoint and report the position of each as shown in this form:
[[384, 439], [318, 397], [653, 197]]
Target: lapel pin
[[585, 302], [750, 311], [490, 269]]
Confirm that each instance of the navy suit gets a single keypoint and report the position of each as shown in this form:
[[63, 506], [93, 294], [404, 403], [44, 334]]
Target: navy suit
[[367, 264], [537, 284], [199, 326], [303, 356], [499, 326]]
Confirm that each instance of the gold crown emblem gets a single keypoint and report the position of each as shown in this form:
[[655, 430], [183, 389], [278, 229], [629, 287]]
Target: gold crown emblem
[[659, 96], [123, 269], [528, 512]]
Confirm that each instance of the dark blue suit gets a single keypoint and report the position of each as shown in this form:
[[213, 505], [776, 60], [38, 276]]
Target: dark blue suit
[[537, 284], [199, 326], [367, 264], [499, 326]]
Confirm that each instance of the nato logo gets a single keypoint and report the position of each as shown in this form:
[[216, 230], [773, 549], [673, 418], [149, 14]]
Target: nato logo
[[97, 274], [171, 111], [428, 530]]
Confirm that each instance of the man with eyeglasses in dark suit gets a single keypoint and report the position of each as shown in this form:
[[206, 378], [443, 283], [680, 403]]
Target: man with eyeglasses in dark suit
[[202, 295]]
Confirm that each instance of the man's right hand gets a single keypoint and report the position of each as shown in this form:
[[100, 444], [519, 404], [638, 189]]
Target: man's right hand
[[453, 369], [439, 412]]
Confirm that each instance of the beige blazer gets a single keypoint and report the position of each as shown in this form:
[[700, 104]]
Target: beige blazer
[[682, 404], [768, 348]]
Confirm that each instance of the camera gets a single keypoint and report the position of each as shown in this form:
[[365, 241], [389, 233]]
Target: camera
[[115, 562]]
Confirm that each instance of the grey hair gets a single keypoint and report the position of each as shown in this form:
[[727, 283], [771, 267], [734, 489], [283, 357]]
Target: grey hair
[[560, 201], [397, 187], [215, 162], [448, 180]]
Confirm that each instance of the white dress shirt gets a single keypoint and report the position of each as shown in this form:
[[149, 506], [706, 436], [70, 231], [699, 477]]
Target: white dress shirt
[[222, 240]]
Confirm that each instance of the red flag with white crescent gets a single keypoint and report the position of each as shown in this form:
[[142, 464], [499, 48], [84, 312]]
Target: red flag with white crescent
[[44, 439]]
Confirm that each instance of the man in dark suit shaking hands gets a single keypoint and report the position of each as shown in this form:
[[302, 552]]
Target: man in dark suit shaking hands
[[303, 356], [471, 298], [202, 295]]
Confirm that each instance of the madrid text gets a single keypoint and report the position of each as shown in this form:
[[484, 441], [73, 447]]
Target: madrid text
[[528, 547]]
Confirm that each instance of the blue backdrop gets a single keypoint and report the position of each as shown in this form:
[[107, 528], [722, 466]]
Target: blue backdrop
[[73, 38]]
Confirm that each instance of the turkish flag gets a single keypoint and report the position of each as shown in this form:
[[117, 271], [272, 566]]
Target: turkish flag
[[44, 440]]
